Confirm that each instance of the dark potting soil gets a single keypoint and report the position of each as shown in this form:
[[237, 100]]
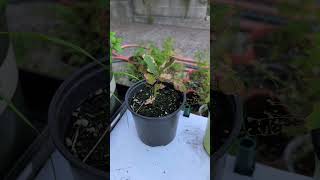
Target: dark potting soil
[[89, 123], [266, 120], [223, 120], [193, 102], [167, 101]]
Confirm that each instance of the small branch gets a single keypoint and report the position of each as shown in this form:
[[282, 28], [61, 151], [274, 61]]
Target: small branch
[[96, 145]]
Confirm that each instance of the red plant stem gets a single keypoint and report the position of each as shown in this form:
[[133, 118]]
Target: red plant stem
[[250, 6], [179, 59]]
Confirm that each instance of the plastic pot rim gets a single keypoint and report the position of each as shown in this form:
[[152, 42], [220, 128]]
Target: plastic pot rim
[[238, 118], [55, 106], [139, 83]]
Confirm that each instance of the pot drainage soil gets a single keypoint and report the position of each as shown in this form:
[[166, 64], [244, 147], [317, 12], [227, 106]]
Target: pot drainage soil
[[88, 124], [168, 101], [193, 100]]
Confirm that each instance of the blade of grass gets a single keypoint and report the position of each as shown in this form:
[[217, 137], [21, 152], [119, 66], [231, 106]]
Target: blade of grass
[[19, 114], [127, 74], [55, 41]]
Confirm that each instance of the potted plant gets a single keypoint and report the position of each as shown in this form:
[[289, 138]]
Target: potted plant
[[77, 117], [78, 114], [156, 102]]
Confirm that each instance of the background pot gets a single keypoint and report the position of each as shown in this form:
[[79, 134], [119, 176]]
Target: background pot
[[230, 107], [206, 141], [70, 94], [154, 131], [15, 135]]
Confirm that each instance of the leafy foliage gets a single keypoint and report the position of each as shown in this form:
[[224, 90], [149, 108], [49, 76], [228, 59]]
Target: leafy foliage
[[224, 33], [200, 79], [160, 56], [290, 61], [158, 66], [83, 23], [115, 44]]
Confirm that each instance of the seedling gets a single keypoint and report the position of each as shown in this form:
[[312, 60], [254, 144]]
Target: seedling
[[154, 66]]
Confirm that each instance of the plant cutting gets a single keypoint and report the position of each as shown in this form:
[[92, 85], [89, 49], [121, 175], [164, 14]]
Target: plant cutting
[[155, 102]]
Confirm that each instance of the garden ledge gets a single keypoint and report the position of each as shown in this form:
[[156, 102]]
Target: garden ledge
[[183, 158]]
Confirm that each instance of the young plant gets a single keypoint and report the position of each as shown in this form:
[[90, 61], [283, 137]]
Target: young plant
[[200, 79], [160, 55], [155, 66], [115, 44]]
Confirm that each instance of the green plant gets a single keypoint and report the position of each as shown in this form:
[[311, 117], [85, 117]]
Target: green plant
[[13, 108], [115, 44], [83, 23], [161, 56], [200, 78], [294, 48], [155, 65], [226, 78]]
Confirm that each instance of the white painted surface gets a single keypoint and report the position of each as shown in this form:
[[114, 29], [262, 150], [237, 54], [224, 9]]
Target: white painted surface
[[262, 172], [184, 158]]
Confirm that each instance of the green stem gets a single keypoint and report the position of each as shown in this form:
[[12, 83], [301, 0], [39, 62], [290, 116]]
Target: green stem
[[56, 41], [116, 98], [18, 113], [127, 74]]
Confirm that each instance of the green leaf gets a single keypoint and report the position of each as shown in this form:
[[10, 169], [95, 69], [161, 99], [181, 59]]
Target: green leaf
[[55, 41], [150, 78], [19, 114], [167, 64], [151, 64]]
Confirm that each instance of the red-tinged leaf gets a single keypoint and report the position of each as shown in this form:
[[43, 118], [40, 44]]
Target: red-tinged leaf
[[166, 76], [167, 64]]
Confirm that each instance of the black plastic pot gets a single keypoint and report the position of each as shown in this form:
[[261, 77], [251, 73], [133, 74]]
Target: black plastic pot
[[154, 131], [70, 94], [228, 108]]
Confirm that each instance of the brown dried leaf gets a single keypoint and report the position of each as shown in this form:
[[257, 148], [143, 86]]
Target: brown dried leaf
[[150, 100]]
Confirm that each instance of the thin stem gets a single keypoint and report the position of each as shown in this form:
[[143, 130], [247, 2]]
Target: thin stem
[[18, 113], [96, 145], [127, 74], [116, 98], [56, 41]]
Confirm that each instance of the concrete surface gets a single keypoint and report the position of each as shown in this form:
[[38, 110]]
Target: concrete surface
[[182, 13], [187, 40]]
